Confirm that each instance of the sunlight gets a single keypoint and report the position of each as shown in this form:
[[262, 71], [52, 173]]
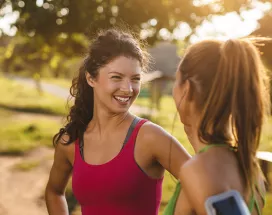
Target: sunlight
[[39, 3], [203, 2], [226, 27], [232, 25], [182, 31], [8, 19]]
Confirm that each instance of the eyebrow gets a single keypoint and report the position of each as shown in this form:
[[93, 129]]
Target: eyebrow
[[121, 74]]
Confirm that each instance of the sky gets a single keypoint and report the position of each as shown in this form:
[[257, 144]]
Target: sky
[[228, 26], [221, 27]]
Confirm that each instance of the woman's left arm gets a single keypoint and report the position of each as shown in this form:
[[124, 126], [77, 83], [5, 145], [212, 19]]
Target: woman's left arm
[[165, 148]]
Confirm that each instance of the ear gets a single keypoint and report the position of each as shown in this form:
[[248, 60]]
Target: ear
[[90, 80]]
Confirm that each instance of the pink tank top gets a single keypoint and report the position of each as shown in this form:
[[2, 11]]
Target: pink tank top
[[118, 187]]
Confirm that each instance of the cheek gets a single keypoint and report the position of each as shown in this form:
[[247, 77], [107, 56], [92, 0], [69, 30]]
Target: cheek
[[176, 94], [111, 86], [136, 88], [180, 102]]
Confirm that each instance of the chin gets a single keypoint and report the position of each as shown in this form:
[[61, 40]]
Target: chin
[[181, 118], [119, 110]]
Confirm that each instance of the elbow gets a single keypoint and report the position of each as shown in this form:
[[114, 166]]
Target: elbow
[[52, 192]]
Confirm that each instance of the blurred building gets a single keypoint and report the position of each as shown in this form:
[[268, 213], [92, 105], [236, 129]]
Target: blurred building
[[163, 67]]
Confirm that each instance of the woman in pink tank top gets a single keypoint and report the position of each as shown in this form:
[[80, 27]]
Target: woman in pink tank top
[[117, 161]]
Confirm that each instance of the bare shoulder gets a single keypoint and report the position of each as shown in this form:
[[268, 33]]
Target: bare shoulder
[[65, 151], [200, 172], [154, 135], [198, 182], [151, 131], [191, 170]]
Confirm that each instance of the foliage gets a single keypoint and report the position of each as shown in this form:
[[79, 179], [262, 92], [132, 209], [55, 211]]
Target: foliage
[[50, 32], [62, 22], [26, 165]]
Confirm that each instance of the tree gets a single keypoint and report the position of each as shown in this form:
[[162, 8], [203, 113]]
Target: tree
[[265, 30], [52, 19]]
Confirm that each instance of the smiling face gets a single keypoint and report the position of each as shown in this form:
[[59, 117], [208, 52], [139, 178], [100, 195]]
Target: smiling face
[[117, 84]]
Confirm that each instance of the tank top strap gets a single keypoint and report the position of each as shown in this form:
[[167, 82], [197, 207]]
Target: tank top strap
[[132, 138], [260, 193], [253, 201], [206, 148], [131, 129]]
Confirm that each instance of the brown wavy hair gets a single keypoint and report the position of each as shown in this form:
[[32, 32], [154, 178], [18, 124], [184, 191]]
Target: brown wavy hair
[[230, 88], [107, 45]]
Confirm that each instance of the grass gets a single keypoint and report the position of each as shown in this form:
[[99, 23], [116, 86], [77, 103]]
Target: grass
[[268, 206], [26, 165], [266, 139], [19, 136], [22, 98]]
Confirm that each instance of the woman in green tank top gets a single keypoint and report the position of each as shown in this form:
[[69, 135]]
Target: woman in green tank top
[[221, 96]]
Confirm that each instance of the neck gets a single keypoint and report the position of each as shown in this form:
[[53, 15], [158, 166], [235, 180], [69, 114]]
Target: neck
[[193, 137], [104, 121]]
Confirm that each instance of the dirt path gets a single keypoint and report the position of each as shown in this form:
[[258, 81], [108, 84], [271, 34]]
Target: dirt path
[[21, 191]]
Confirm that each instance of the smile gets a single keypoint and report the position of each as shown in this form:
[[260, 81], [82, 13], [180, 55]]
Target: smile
[[122, 99]]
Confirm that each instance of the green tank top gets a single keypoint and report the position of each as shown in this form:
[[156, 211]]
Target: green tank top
[[170, 207]]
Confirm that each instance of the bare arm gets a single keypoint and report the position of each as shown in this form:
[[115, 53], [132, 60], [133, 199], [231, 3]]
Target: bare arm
[[165, 148], [58, 179]]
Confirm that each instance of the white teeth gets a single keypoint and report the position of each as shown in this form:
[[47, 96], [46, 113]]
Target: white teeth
[[121, 99]]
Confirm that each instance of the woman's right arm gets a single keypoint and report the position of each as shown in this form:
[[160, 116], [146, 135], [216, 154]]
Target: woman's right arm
[[58, 179]]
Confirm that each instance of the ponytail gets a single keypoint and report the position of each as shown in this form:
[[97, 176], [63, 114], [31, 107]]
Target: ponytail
[[241, 61], [237, 97]]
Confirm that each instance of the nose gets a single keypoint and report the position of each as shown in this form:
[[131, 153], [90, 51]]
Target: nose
[[126, 87]]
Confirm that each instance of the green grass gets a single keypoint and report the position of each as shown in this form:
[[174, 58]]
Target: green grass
[[19, 136], [26, 165], [266, 139], [19, 97], [268, 206]]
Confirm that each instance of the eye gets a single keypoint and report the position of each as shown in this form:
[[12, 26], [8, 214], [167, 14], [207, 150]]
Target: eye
[[115, 77], [136, 79]]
